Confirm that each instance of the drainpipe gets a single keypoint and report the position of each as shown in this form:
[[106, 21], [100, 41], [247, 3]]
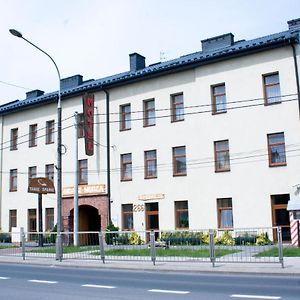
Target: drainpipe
[[296, 75], [108, 157]]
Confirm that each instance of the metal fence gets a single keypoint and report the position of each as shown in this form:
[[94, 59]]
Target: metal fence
[[237, 245]]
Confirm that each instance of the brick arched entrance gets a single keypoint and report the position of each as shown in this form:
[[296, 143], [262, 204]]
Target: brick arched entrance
[[86, 205]]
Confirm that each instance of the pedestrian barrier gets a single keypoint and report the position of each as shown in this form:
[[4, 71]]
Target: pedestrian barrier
[[251, 245]]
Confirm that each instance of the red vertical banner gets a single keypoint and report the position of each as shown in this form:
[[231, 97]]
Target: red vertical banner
[[88, 114]]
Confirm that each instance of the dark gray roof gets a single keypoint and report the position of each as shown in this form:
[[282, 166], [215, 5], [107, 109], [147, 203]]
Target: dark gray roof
[[179, 64]]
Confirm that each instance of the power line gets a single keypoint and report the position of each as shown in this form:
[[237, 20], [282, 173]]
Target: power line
[[15, 85]]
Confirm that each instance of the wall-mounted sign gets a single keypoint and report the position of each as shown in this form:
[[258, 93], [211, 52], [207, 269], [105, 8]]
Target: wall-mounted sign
[[88, 116], [146, 197], [41, 185], [85, 190]]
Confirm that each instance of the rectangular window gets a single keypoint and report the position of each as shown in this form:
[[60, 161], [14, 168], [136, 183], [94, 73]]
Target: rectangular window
[[83, 171], [50, 132], [271, 88], [126, 167], [13, 181], [179, 161], [149, 113], [276, 149], [14, 139], [32, 135], [225, 216], [150, 164], [125, 117], [222, 158], [12, 219], [49, 171], [31, 173], [80, 131], [49, 219], [181, 215], [177, 108], [127, 216], [31, 221], [219, 104]]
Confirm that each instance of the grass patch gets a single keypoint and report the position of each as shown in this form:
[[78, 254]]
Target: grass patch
[[273, 252], [166, 252], [185, 252], [66, 249]]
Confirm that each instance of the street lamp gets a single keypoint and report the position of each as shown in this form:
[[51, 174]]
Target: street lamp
[[59, 144]]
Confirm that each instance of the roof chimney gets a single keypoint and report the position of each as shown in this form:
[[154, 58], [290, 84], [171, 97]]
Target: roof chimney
[[293, 24], [218, 42], [137, 62], [70, 82], [34, 94]]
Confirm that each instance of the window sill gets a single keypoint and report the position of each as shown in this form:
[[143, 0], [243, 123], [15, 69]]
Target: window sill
[[179, 175], [125, 180], [273, 103], [219, 112], [176, 121], [222, 171], [152, 177], [125, 129], [277, 165]]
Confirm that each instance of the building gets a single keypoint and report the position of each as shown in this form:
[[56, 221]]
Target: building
[[208, 140]]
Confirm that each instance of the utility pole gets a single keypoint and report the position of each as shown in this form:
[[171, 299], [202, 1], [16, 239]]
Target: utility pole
[[75, 216]]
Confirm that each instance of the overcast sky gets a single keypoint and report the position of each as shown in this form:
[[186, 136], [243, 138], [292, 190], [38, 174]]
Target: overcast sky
[[94, 37]]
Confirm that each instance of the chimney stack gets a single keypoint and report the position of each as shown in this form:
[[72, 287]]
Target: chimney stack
[[293, 24], [218, 42], [137, 62]]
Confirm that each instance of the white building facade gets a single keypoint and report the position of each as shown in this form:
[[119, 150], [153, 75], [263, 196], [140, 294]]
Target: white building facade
[[208, 140]]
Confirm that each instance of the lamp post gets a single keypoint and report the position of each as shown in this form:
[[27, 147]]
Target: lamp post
[[59, 144]]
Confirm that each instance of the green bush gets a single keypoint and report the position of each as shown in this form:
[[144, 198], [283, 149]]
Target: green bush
[[135, 239], [263, 239], [111, 238], [5, 237], [225, 239], [184, 238], [245, 239]]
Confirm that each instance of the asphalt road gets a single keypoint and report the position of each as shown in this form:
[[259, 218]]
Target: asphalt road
[[37, 282]]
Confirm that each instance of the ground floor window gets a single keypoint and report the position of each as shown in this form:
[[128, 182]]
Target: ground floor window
[[32, 220], [181, 215], [225, 216], [49, 219], [127, 216], [12, 219]]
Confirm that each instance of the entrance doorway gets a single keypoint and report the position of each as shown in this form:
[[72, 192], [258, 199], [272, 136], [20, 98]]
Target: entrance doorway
[[280, 216], [152, 218], [88, 220]]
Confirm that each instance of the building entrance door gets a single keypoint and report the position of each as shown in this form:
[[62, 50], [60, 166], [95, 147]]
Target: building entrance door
[[152, 217], [281, 216]]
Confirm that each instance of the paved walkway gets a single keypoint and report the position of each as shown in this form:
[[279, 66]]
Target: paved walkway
[[291, 265]]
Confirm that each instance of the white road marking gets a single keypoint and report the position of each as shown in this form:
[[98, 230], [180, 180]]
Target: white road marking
[[4, 278], [99, 286], [169, 291], [42, 281], [256, 297]]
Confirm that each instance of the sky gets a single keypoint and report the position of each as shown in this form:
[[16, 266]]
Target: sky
[[95, 37]]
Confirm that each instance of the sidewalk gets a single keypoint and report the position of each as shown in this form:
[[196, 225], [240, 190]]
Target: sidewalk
[[291, 265]]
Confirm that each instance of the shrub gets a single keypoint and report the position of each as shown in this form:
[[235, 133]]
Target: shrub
[[111, 238], [135, 239], [5, 237], [225, 239], [184, 238], [263, 239], [245, 239]]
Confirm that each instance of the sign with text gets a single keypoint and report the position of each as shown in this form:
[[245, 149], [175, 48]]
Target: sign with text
[[88, 116], [41, 185]]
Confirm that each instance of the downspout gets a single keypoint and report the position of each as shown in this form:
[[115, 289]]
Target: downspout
[[297, 75], [108, 157]]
